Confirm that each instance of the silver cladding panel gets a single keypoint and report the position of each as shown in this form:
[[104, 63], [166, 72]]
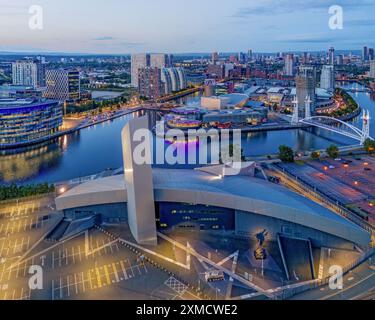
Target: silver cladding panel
[[140, 189]]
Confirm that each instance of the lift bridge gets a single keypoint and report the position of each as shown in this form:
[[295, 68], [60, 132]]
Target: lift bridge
[[333, 124]]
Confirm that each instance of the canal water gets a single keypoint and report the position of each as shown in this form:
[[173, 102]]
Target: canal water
[[98, 148]]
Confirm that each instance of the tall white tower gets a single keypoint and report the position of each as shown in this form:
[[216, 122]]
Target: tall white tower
[[295, 118], [139, 184]]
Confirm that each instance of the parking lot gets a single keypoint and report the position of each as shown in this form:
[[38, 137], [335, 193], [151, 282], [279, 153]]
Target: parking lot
[[18, 209], [18, 224], [77, 253], [72, 285], [14, 247], [92, 265], [14, 294], [19, 270]]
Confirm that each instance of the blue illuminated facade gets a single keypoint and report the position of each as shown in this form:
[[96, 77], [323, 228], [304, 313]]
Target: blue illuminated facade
[[28, 120]]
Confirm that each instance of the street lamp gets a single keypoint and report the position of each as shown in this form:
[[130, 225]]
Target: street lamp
[[62, 190], [217, 290]]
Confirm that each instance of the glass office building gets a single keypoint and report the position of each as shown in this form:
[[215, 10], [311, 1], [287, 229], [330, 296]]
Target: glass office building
[[24, 121], [63, 85]]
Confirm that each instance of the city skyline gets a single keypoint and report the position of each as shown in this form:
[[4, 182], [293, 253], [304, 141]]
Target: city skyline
[[98, 29]]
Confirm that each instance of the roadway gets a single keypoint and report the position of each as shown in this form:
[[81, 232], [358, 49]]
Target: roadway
[[359, 284], [295, 186]]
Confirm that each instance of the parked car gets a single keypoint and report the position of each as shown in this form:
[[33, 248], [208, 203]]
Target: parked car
[[214, 275]]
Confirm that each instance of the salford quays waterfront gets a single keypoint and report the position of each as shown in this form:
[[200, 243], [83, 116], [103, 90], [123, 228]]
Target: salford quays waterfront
[[71, 156]]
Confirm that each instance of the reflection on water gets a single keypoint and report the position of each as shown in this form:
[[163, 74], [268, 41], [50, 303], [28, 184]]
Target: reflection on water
[[98, 148], [30, 162]]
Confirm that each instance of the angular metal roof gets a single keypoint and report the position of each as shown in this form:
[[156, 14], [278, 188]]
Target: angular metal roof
[[237, 192]]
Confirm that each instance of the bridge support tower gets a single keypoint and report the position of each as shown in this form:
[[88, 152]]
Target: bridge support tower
[[295, 117], [366, 126]]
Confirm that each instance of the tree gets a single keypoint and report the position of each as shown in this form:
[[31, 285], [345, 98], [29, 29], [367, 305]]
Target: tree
[[333, 151], [315, 155], [286, 154], [13, 191], [369, 146]]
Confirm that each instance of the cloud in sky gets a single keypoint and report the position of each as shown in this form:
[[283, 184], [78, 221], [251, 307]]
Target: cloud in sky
[[105, 38], [271, 7], [361, 23], [309, 40], [127, 26], [117, 43]]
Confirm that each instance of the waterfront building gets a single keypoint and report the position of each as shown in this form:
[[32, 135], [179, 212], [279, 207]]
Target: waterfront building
[[144, 60], [138, 61], [305, 58], [248, 116], [41, 77], [187, 112], [331, 56], [327, 79], [214, 57], [159, 60], [365, 53], [371, 54], [28, 73], [209, 87], [372, 69], [166, 79], [181, 78], [289, 65], [228, 68], [150, 83], [276, 94], [62, 85], [170, 60], [178, 78], [340, 60], [216, 71], [174, 79], [24, 121], [250, 56], [323, 99], [20, 92], [305, 87], [242, 57], [225, 101]]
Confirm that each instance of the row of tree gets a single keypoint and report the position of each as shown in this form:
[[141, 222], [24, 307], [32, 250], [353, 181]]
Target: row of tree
[[286, 154], [14, 192], [97, 105], [350, 104]]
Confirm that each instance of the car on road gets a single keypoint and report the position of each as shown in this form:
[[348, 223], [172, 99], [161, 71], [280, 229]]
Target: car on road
[[214, 275]]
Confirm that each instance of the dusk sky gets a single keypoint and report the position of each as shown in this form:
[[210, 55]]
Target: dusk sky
[[127, 26]]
